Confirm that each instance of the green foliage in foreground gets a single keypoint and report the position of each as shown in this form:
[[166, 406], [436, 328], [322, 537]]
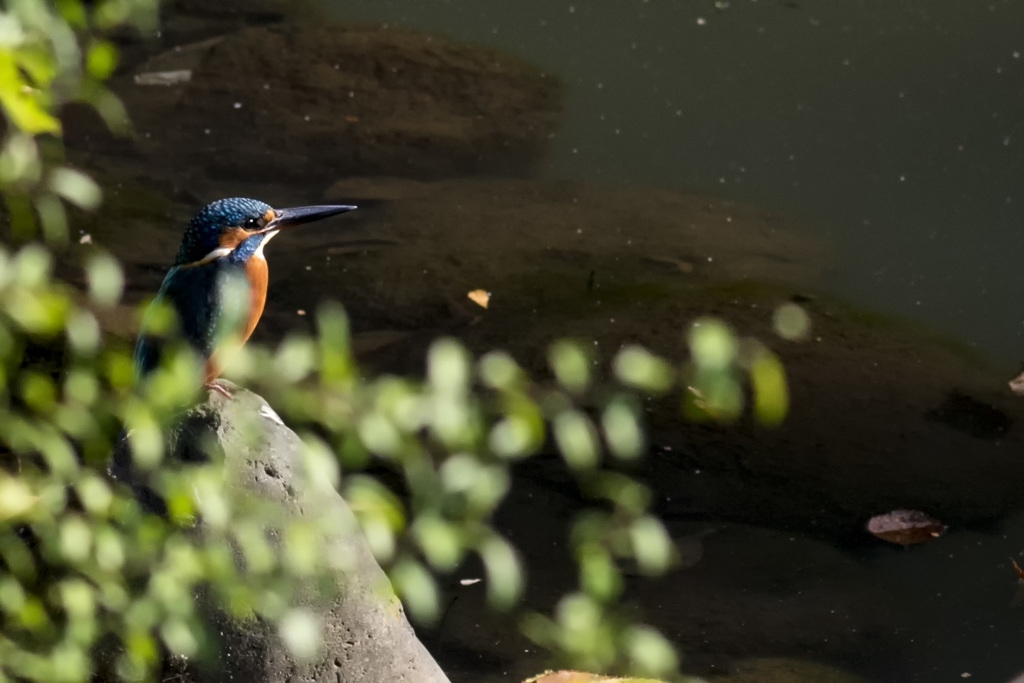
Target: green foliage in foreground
[[84, 565], [91, 584]]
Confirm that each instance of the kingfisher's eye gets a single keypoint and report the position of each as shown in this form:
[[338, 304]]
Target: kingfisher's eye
[[253, 224]]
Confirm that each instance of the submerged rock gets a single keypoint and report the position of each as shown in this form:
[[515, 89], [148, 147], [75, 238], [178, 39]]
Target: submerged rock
[[323, 100]]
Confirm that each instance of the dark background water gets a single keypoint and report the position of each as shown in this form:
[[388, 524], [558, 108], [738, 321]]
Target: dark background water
[[893, 127]]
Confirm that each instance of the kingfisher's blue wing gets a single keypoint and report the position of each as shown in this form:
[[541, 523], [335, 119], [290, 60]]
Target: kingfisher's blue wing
[[194, 296]]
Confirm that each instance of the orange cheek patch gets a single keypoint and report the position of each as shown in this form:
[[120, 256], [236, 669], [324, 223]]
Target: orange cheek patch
[[269, 216], [232, 237]]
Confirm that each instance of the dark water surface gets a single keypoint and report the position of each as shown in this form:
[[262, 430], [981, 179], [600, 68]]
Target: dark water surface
[[897, 128]]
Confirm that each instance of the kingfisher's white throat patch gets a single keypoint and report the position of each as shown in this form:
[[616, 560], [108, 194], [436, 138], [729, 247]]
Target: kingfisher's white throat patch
[[263, 243]]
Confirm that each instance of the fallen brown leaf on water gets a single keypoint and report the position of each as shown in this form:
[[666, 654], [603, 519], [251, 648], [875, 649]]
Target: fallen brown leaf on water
[[480, 297], [1016, 568], [906, 527], [1017, 384]]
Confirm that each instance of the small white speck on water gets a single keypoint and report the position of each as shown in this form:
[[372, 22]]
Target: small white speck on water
[[306, 117], [206, 131], [266, 86], [301, 312], [309, 267], [238, 105]]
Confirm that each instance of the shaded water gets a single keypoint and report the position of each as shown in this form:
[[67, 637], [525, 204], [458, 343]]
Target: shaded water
[[894, 127]]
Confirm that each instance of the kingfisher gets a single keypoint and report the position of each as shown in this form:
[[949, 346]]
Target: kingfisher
[[219, 279]]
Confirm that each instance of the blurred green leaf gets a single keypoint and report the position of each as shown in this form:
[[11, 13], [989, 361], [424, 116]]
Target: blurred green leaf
[[380, 435], [417, 589], [622, 431], [25, 106], [84, 332], [38, 392], [301, 631], [571, 364], [649, 652], [75, 539], [32, 266], [76, 187], [379, 512], [106, 281], [791, 322], [499, 370], [638, 368], [16, 500], [712, 344], [295, 359], [504, 575], [19, 161], [652, 545], [179, 637], [715, 395], [515, 437], [448, 367], [577, 439], [335, 349], [101, 60], [768, 380], [599, 577], [440, 541]]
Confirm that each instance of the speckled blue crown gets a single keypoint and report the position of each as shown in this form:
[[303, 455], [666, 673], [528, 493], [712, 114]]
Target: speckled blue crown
[[203, 233]]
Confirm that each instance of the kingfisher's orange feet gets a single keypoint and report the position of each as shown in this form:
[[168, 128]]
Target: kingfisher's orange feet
[[219, 388]]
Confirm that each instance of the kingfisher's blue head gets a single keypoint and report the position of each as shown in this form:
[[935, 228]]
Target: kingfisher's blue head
[[221, 227]]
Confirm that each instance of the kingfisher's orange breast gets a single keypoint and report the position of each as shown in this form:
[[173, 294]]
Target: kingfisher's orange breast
[[259, 276]]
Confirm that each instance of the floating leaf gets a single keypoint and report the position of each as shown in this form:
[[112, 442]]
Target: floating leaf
[[906, 527], [480, 297]]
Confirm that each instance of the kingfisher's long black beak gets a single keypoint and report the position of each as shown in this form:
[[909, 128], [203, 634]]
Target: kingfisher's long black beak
[[284, 218]]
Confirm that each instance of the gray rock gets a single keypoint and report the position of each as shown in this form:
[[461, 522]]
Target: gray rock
[[366, 636]]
